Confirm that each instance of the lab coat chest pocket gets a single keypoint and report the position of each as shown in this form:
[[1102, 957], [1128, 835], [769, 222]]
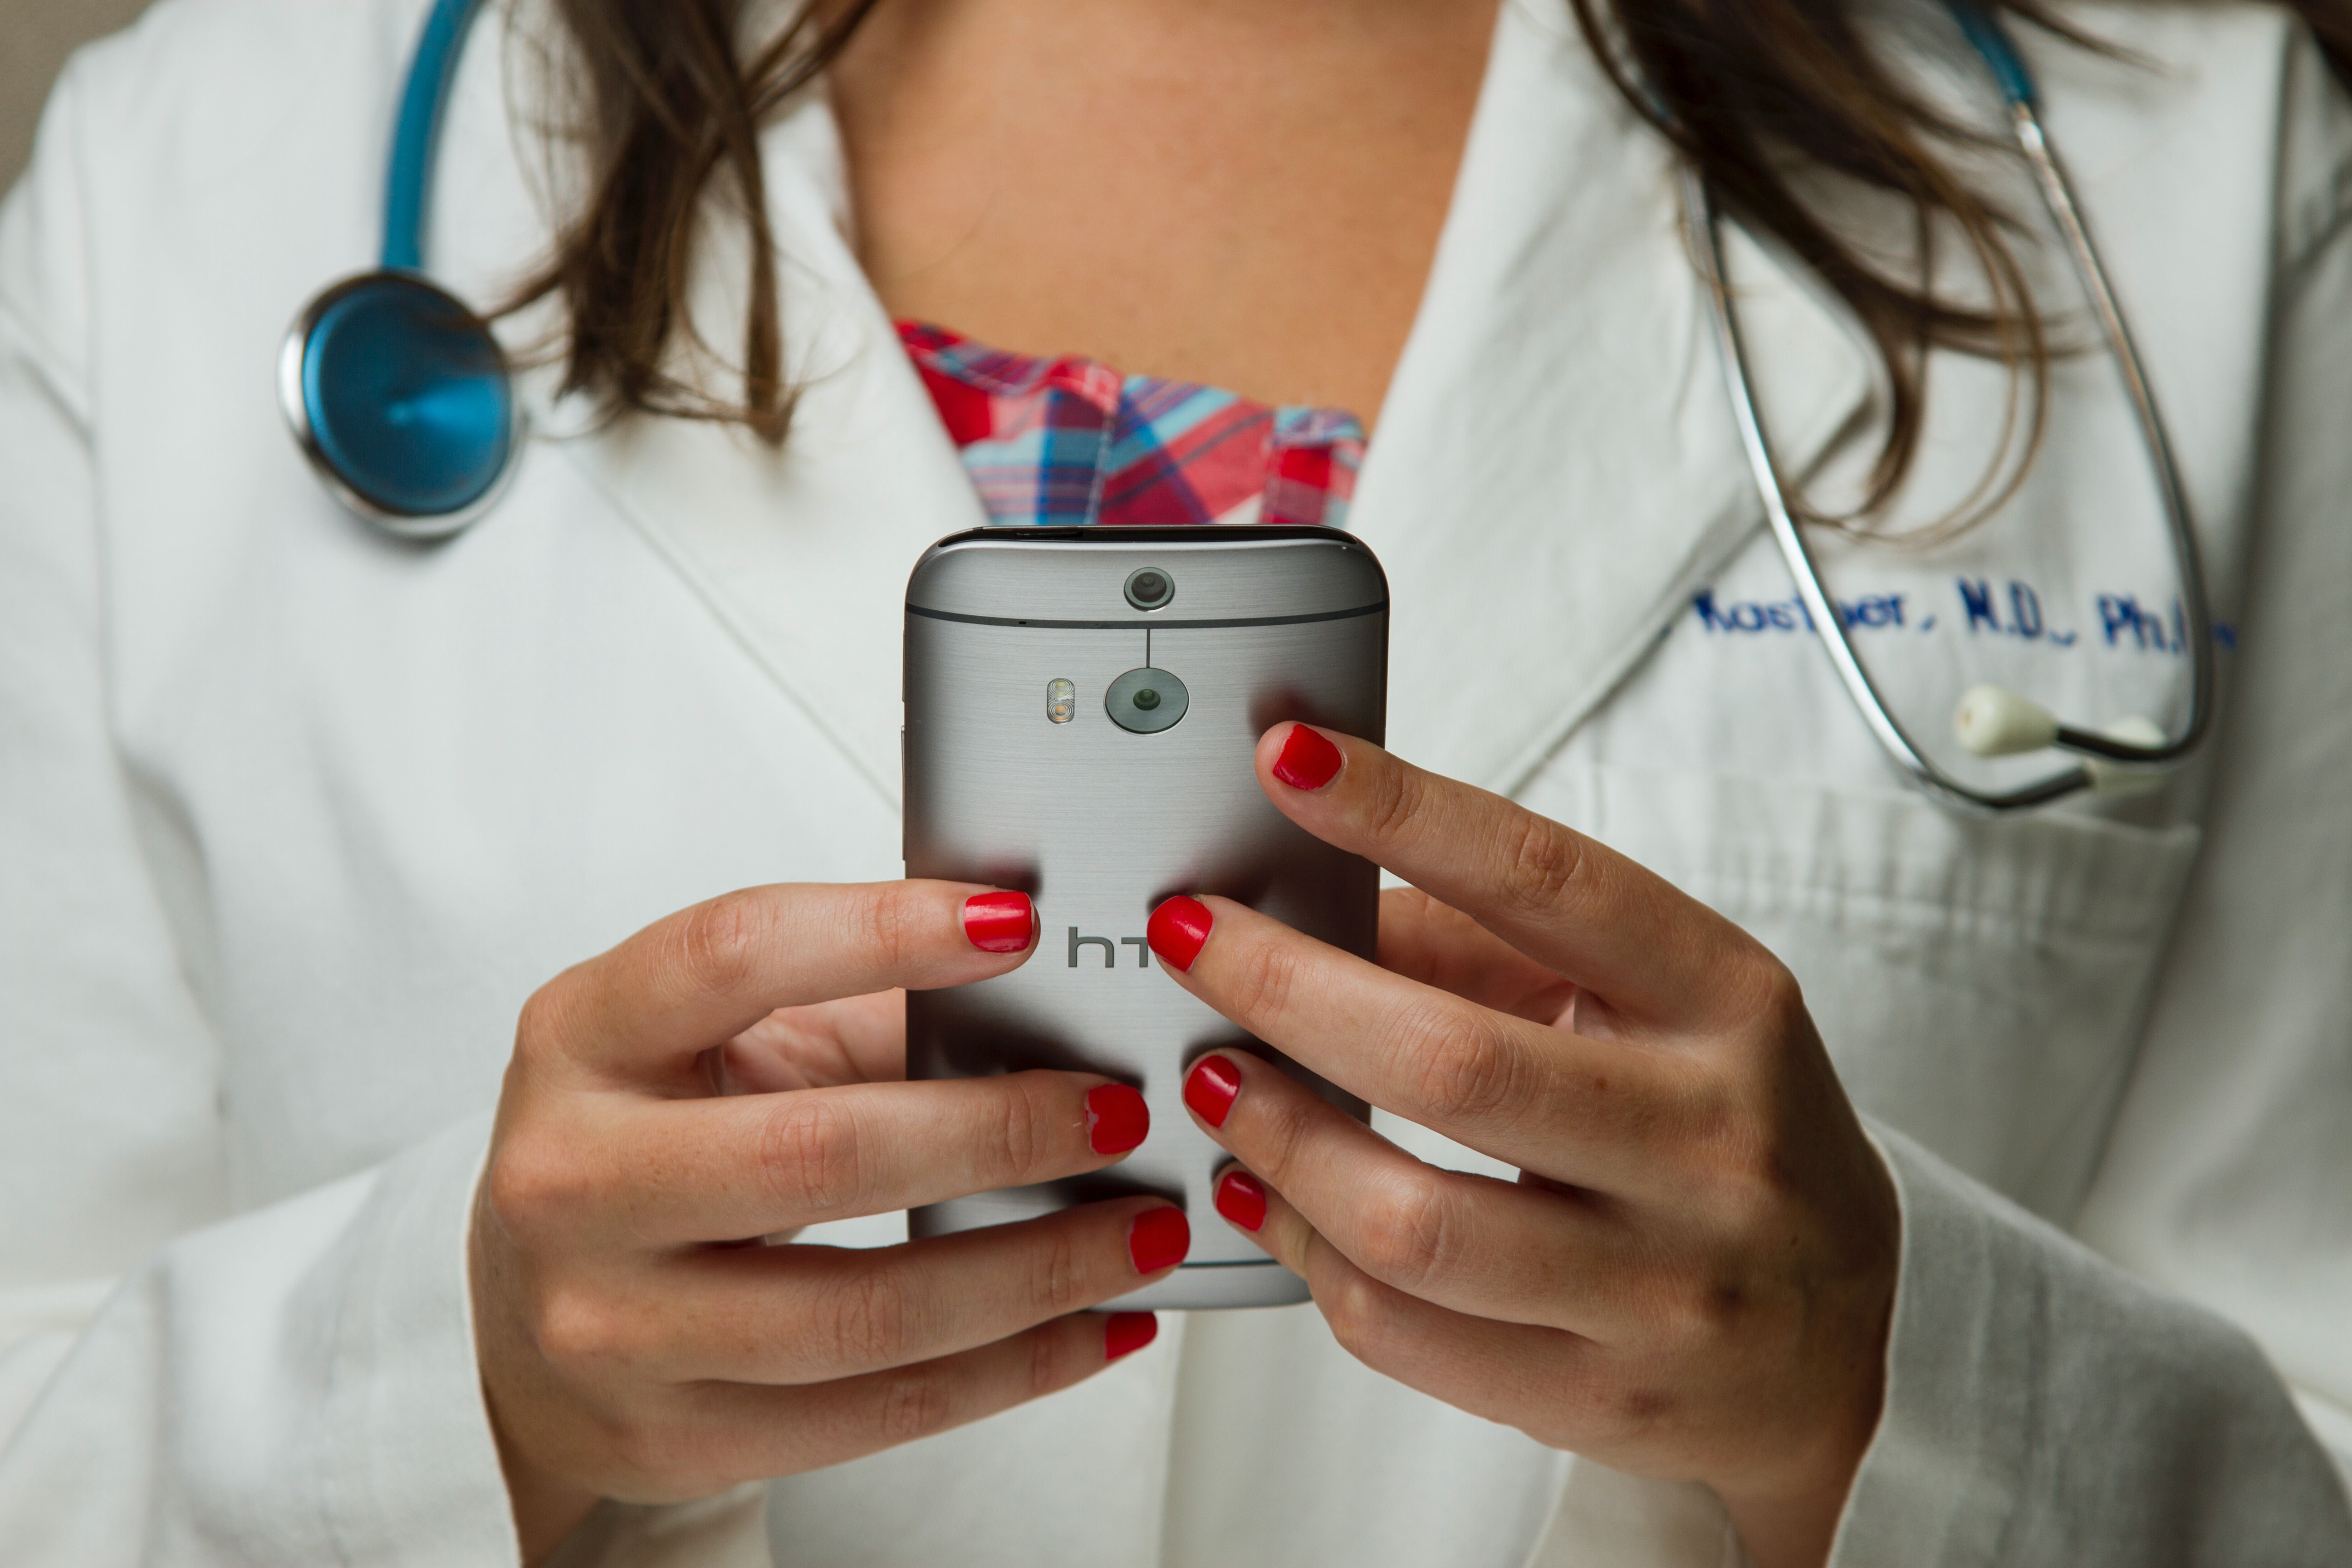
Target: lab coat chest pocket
[[1979, 983]]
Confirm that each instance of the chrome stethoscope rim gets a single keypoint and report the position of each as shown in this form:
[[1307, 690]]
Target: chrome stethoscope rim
[[1705, 238], [294, 402]]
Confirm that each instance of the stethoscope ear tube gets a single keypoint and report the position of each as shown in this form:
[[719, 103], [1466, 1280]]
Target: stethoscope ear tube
[[1989, 720]]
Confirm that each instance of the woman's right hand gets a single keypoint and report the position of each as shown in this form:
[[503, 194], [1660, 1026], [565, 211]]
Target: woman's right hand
[[735, 1071]]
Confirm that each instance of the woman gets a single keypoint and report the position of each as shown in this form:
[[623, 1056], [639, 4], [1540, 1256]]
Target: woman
[[300, 819]]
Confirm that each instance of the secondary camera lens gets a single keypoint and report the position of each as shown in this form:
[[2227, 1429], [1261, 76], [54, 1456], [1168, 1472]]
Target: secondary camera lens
[[1148, 588]]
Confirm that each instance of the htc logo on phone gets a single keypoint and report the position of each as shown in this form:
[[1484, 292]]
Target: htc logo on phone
[[1110, 949]]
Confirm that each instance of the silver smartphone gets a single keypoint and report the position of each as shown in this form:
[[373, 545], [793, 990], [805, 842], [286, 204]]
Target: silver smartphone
[[1082, 705]]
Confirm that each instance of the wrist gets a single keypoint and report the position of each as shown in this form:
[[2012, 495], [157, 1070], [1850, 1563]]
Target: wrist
[[1788, 1516]]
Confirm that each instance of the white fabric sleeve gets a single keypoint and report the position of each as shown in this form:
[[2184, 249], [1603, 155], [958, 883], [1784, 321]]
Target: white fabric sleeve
[[296, 1386], [2043, 1404]]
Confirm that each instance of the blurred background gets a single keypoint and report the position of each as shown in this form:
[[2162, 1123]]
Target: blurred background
[[36, 36]]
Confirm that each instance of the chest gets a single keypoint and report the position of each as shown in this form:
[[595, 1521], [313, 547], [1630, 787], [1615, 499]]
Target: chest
[[1241, 196]]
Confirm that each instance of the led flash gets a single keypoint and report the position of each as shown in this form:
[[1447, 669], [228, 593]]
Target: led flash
[[1061, 700]]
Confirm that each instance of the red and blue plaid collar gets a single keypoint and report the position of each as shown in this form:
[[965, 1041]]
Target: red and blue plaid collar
[[1058, 442]]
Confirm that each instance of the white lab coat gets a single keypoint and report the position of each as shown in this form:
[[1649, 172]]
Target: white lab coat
[[293, 818]]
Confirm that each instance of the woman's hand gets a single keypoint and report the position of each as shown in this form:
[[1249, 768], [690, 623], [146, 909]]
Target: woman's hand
[[661, 1109], [1693, 1276]]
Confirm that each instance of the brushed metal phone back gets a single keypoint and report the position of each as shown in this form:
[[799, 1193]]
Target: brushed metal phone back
[[1017, 774]]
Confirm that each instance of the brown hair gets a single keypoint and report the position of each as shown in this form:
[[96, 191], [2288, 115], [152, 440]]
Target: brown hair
[[1763, 95]]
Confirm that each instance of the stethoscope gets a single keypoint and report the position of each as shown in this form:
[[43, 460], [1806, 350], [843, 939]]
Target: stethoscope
[[403, 400], [398, 394], [1990, 720]]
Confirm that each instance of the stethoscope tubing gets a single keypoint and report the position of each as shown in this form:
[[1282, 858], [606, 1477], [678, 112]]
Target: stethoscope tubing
[[1705, 243], [417, 134]]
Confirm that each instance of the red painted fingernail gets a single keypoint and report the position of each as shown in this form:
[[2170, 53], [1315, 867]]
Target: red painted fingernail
[[1177, 930], [1241, 1198], [1210, 1088], [1306, 760], [1116, 1119], [1159, 1240], [1000, 922], [1124, 1334]]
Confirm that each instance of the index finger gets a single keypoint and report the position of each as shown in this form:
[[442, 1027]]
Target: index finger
[[1571, 1108], [648, 1007], [1567, 901]]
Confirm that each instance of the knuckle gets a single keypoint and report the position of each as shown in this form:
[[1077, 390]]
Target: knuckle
[[1731, 1143], [1359, 1313], [893, 927], [1761, 989], [866, 1320], [1266, 980], [811, 1156], [1461, 1068], [913, 1401], [1024, 1141], [1393, 797], [536, 1187], [1625, 1410], [1057, 1281], [584, 1333], [1544, 863], [1408, 1236], [544, 1021], [1048, 1354], [1284, 1124], [1691, 1307], [716, 945]]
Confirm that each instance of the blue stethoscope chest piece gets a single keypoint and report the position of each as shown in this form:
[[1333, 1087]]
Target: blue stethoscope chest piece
[[398, 394], [400, 397]]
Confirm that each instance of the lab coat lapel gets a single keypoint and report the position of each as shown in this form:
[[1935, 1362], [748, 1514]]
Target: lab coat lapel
[[803, 554], [1556, 467]]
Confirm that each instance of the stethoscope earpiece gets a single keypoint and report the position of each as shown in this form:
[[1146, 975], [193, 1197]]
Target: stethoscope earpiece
[[1994, 721], [401, 399]]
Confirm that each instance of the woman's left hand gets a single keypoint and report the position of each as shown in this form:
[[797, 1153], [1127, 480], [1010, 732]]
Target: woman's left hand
[[1693, 1276]]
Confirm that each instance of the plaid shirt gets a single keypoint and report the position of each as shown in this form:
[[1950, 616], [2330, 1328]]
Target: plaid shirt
[[1054, 442]]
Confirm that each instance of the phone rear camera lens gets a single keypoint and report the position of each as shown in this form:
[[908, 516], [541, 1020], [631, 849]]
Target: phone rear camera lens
[[1149, 588], [1146, 702]]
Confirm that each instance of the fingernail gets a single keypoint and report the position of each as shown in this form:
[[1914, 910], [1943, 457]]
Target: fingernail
[[1306, 760], [1159, 1240], [1210, 1088], [1116, 1119], [1241, 1198], [1124, 1334], [1177, 930], [999, 922]]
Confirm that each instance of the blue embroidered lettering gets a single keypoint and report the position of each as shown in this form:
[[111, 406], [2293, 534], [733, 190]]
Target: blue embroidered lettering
[[1704, 602], [2024, 610], [1976, 599], [2120, 613]]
